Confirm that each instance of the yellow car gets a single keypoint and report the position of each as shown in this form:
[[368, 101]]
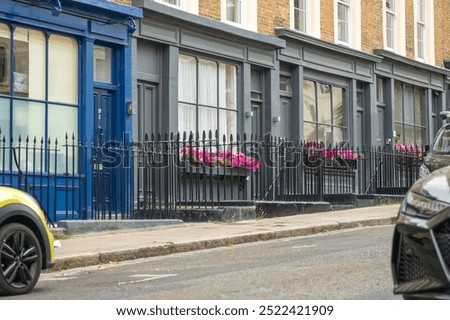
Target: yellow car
[[26, 243]]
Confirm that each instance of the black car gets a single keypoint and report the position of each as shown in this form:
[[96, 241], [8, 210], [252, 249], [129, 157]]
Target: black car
[[438, 154], [421, 242]]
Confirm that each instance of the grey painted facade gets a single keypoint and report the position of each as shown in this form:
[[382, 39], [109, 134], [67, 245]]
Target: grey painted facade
[[261, 62]]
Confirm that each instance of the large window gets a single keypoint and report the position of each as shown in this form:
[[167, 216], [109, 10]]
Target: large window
[[390, 23], [207, 94], [323, 113], [28, 106], [409, 111]]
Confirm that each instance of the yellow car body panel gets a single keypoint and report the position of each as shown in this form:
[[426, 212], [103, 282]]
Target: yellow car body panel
[[13, 196]]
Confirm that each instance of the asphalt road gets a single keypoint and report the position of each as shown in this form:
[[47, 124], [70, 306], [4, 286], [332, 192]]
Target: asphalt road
[[342, 265]]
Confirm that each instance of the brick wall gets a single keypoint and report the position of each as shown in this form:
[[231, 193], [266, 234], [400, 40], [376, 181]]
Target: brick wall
[[441, 31], [273, 14], [209, 9], [409, 27], [327, 20], [371, 25]]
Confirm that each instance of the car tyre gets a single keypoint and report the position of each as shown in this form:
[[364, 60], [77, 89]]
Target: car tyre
[[20, 258]]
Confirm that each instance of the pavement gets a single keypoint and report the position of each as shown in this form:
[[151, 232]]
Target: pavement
[[95, 248]]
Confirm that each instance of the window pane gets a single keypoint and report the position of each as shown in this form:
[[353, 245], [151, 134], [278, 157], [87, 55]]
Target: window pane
[[5, 59], [310, 131], [285, 84], [419, 107], [409, 105], [233, 11], [29, 63], [309, 101], [207, 119], [4, 119], [390, 5], [63, 69], [420, 137], [187, 73], [207, 82], [409, 135], [338, 137], [326, 135], [61, 121], [398, 101], [227, 123], [338, 107], [324, 103], [420, 40], [399, 139], [300, 15], [227, 82], [28, 119], [380, 90], [390, 27], [102, 64], [342, 22], [186, 118]]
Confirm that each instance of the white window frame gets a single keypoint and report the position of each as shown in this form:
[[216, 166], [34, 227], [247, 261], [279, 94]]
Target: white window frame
[[312, 17], [343, 39], [190, 6], [301, 13], [239, 10], [399, 34], [353, 23], [177, 4], [420, 32], [426, 22], [391, 14], [249, 14]]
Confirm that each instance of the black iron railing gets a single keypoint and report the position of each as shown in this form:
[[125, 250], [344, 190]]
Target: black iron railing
[[155, 178]]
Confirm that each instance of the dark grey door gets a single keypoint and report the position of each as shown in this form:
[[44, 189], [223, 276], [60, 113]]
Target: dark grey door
[[146, 118]]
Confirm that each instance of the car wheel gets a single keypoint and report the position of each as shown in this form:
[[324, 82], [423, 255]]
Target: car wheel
[[21, 259]]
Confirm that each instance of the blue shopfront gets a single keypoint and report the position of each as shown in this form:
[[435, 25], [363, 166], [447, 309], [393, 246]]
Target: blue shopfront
[[65, 102]]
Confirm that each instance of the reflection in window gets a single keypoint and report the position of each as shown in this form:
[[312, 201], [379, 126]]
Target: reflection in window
[[5, 42], [409, 111], [285, 84], [323, 113], [29, 63], [25, 112]]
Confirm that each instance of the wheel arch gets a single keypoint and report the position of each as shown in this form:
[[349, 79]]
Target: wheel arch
[[19, 213]]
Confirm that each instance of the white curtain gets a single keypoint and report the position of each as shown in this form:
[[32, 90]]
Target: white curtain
[[207, 117], [216, 103], [187, 91]]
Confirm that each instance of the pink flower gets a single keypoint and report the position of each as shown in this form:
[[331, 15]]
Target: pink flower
[[222, 158]]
